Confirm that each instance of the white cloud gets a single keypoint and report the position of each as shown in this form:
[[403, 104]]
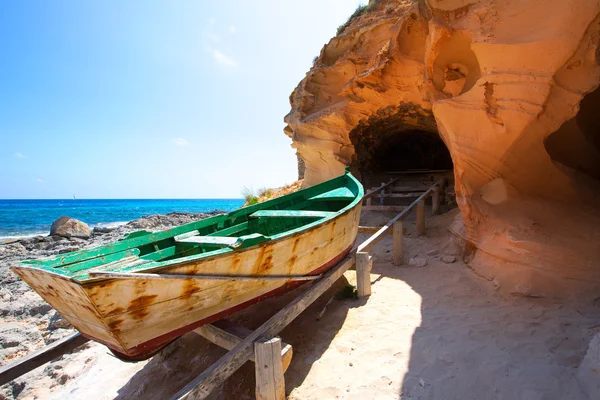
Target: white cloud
[[213, 36], [223, 59], [232, 29], [212, 21], [18, 154], [179, 141], [39, 180]]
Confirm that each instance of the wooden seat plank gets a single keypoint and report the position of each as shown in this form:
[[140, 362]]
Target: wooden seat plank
[[291, 214]]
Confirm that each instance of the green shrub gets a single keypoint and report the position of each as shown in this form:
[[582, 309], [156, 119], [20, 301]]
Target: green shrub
[[360, 10]]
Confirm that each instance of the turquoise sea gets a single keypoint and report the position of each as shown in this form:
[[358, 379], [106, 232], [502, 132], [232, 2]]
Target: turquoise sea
[[30, 217]]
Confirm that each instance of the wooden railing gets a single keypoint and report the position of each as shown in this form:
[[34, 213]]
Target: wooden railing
[[395, 227]]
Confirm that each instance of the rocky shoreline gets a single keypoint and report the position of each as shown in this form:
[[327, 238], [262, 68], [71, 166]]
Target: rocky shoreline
[[28, 322]]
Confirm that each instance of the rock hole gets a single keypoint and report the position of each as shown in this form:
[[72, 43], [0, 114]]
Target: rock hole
[[576, 144]]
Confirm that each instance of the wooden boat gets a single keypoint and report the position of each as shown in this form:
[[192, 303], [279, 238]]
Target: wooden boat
[[138, 294]]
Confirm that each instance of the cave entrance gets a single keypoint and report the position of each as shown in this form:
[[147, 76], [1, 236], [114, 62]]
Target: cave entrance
[[576, 144], [389, 146]]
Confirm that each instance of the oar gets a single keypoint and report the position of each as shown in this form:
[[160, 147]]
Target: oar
[[129, 275]]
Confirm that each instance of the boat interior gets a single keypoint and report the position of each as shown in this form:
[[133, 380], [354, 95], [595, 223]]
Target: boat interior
[[239, 229]]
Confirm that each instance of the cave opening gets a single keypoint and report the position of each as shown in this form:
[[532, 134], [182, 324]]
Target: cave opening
[[405, 141], [576, 144]]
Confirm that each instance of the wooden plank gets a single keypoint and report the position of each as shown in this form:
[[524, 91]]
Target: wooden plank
[[231, 230], [435, 208], [202, 277], [418, 171], [216, 374], [373, 240], [369, 229], [40, 357], [227, 335], [214, 240], [364, 264], [270, 384], [291, 214], [397, 195], [378, 189], [342, 193], [408, 189], [421, 217], [398, 232], [383, 208]]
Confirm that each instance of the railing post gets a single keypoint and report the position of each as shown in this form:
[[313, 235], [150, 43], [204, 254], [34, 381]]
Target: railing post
[[398, 236], [381, 199], [421, 217], [435, 201], [442, 187], [270, 384], [364, 263]]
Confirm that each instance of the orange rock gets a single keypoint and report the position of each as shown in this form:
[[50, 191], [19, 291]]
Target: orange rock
[[510, 88]]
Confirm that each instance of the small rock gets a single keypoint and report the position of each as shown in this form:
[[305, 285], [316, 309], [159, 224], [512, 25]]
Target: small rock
[[421, 382], [100, 230], [58, 322], [351, 364], [433, 252], [68, 250], [70, 228], [448, 259], [418, 262]]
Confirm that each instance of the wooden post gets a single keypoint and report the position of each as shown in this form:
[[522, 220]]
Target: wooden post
[[442, 187], [368, 201], [421, 217], [270, 384], [398, 235], [364, 263], [382, 192], [435, 201]]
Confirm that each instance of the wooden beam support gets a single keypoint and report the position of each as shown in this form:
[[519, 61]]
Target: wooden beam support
[[368, 244], [371, 192], [40, 357], [381, 199], [364, 264], [270, 384], [398, 230], [383, 208], [227, 335], [398, 195], [216, 374], [421, 217], [408, 189], [435, 207], [370, 229]]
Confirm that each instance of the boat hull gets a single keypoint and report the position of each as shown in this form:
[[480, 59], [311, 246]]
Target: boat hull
[[135, 317]]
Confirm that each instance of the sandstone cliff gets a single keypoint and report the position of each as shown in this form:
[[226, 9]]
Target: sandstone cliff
[[509, 88]]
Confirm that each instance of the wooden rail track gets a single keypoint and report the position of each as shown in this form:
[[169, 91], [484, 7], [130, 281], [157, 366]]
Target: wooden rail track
[[270, 355]]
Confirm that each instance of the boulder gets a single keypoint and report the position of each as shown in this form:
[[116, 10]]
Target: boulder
[[70, 228]]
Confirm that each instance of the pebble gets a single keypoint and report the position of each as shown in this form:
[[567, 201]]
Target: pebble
[[448, 259], [418, 262]]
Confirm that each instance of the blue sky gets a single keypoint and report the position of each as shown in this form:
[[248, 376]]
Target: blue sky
[[153, 99]]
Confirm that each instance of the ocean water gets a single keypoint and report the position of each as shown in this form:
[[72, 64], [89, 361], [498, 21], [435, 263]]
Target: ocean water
[[30, 217]]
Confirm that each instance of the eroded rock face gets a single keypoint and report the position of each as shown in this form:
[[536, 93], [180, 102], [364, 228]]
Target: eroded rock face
[[510, 88]]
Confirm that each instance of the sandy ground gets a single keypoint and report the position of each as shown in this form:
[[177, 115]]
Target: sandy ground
[[432, 332]]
